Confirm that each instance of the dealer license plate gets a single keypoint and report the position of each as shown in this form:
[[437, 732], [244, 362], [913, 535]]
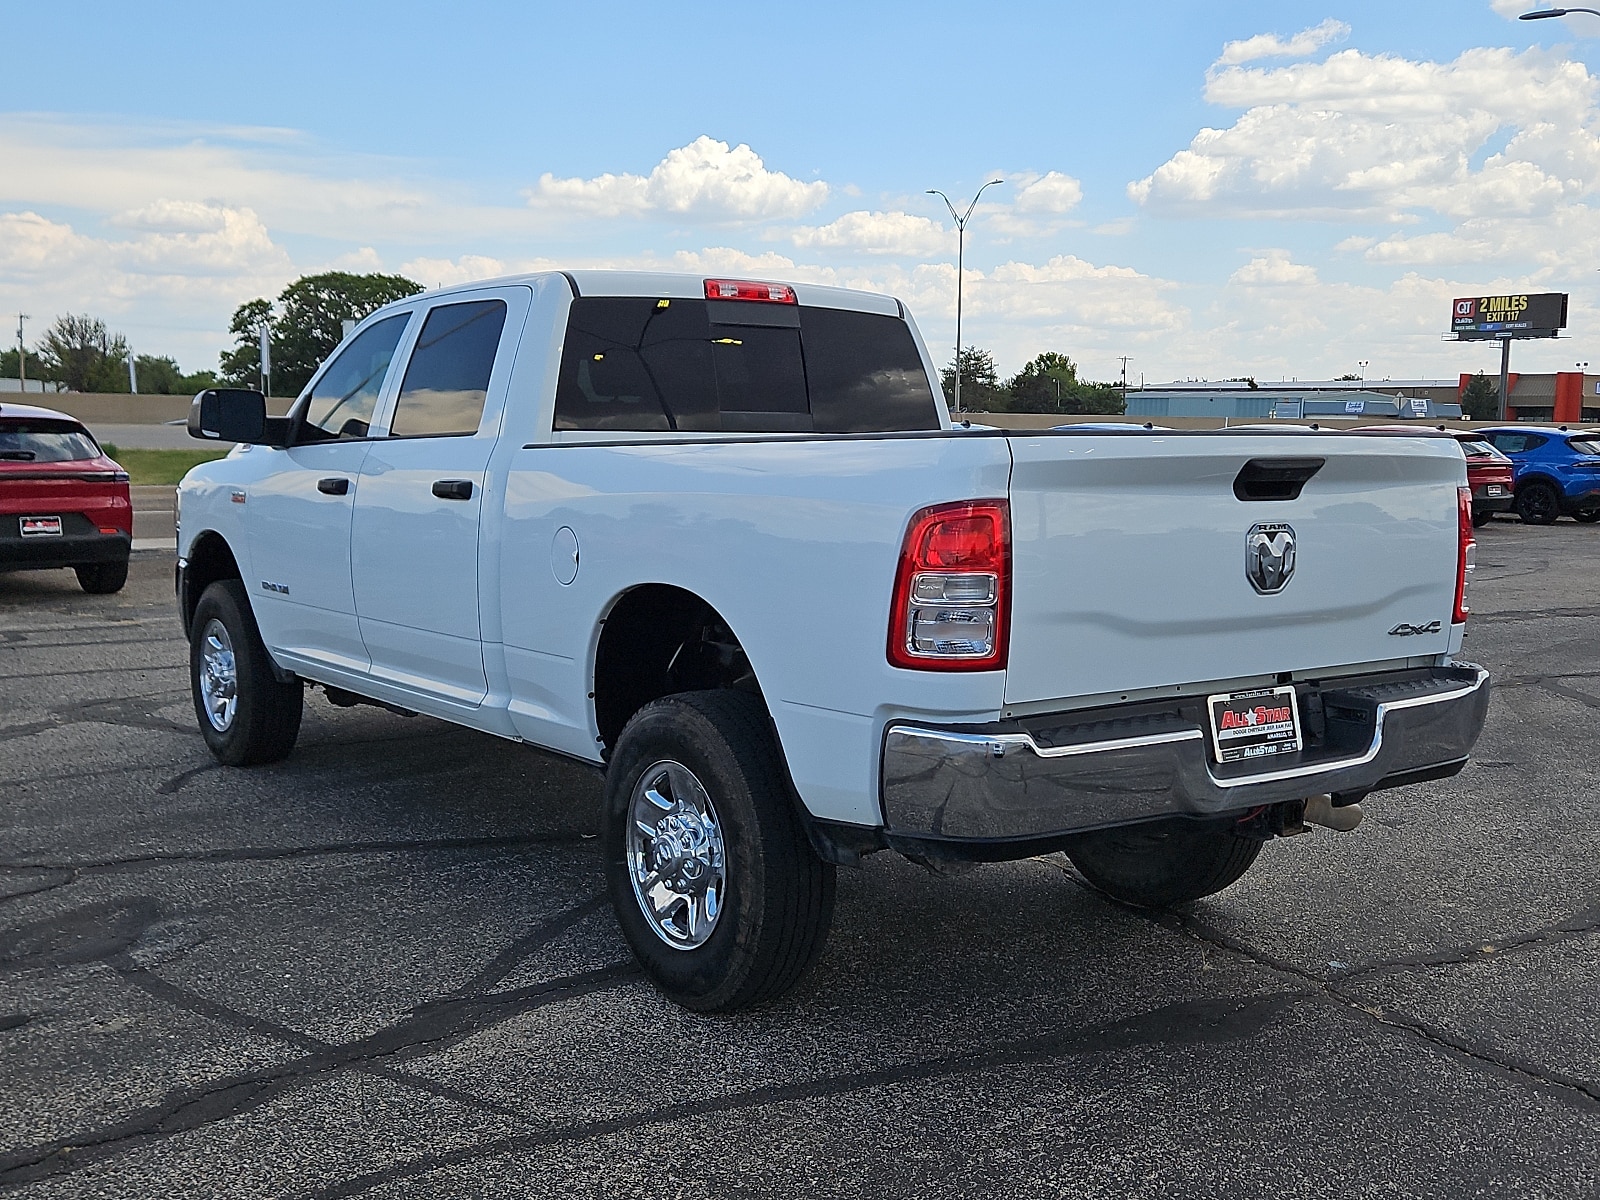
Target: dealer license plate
[[40, 526], [1494, 489], [1255, 724]]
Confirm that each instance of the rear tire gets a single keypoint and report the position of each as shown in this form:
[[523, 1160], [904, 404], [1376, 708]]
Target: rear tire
[[714, 881], [1479, 520], [1538, 504], [247, 716], [101, 579], [1588, 516], [1160, 863]]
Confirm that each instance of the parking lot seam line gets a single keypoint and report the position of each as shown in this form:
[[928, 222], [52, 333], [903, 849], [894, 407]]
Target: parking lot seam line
[[1212, 1021], [185, 1109], [530, 943], [287, 853], [1553, 1082], [63, 878], [180, 997]]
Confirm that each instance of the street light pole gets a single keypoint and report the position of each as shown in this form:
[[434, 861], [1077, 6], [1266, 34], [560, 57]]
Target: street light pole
[[961, 220], [22, 356]]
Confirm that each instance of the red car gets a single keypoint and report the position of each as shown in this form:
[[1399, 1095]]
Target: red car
[[1490, 474], [63, 503]]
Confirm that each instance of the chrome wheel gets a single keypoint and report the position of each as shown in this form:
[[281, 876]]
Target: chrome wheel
[[675, 855], [219, 676]]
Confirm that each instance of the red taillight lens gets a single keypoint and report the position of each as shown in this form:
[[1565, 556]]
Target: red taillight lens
[[952, 592], [1466, 552], [744, 289]]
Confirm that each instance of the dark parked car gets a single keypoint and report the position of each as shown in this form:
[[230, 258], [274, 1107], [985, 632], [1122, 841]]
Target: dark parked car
[[1557, 471], [63, 503]]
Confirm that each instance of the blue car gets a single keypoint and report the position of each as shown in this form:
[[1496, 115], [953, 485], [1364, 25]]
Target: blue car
[[1557, 471]]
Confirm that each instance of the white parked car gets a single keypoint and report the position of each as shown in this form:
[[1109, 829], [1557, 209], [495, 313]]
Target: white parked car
[[720, 539]]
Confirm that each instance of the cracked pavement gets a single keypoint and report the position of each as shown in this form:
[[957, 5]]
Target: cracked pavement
[[384, 968]]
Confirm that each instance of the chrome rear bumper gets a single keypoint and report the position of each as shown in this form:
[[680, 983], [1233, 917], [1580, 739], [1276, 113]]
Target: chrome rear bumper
[[1116, 767]]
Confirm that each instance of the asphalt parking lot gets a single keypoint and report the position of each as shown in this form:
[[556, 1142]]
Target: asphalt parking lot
[[385, 968]]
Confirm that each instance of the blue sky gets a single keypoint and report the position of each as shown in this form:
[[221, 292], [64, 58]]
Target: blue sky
[[1272, 189]]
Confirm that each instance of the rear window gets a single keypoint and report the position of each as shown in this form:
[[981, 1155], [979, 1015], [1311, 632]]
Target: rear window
[[45, 441], [1585, 445], [1480, 448], [645, 365]]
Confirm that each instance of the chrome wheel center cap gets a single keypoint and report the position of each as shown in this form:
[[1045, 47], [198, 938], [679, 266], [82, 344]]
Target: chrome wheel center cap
[[675, 855]]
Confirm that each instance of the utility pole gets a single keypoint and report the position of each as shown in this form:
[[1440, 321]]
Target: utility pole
[[961, 220], [1125, 359], [22, 355], [133, 374], [266, 357]]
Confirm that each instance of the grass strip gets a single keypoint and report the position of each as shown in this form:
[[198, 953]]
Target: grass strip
[[160, 466]]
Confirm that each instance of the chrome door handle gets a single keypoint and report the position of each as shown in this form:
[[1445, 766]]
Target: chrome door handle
[[453, 489], [333, 487]]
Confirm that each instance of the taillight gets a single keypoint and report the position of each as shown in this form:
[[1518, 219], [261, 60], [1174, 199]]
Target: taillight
[[952, 590], [1466, 552], [743, 289]]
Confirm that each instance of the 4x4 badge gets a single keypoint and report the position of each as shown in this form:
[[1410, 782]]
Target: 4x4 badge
[[1269, 557], [1404, 630]]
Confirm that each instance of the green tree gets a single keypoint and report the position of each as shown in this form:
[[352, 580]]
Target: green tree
[[981, 390], [8, 364], [161, 376], [1481, 400], [307, 325], [1050, 384], [81, 353]]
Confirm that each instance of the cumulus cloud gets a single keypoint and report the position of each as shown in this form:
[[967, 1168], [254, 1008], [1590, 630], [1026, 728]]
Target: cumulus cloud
[[1270, 45], [1381, 137], [1274, 269], [1050, 193], [706, 179], [896, 233]]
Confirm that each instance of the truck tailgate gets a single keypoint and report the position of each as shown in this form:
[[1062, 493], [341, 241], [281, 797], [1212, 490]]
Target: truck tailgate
[[1129, 558]]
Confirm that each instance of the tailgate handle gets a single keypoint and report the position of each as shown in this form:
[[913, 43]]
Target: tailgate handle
[[1274, 478]]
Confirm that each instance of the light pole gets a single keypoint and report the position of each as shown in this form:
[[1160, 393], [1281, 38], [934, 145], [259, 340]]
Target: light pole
[[961, 220], [22, 357], [1364, 364]]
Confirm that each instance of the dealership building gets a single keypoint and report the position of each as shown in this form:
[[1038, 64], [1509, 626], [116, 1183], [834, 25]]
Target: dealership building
[[1566, 398]]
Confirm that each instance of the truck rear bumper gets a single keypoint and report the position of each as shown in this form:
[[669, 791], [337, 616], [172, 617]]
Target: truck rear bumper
[[1049, 777]]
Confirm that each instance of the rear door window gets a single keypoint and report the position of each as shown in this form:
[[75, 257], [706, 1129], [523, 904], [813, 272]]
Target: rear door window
[[647, 365], [1585, 445], [447, 379], [45, 441], [342, 402]]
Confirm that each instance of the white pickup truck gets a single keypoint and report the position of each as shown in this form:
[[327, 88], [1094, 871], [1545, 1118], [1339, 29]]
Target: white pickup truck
[[721, 539]]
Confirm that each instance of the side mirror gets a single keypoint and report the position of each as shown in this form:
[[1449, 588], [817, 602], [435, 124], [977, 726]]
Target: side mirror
[[231, 415]]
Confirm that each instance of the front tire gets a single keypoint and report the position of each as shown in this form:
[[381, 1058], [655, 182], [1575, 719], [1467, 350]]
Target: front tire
[[101, 579], [715, 884], [1538, 504], [1161, 863], [246, 715]]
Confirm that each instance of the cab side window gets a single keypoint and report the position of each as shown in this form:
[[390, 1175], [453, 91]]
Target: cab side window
[[447, 379], [341, 404]]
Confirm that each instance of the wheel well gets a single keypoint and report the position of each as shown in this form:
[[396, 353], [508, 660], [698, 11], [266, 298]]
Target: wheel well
[[1544, 479], [657, 641], [209, 560]]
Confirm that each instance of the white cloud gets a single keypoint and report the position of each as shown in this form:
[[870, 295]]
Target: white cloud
[[1270, 45], [1381, 138], [1051, 193], [705, 179], [895, 233], [1273, 269]]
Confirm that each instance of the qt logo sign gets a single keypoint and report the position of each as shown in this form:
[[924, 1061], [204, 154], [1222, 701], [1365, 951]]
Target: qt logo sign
[[1464, 307]]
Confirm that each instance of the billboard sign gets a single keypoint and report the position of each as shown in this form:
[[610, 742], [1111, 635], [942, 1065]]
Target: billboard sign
[[1487, 317]]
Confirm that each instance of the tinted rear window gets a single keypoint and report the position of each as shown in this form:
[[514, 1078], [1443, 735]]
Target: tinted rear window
[[45, 441], [447, 379], [691, 365], [1585, 445]]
